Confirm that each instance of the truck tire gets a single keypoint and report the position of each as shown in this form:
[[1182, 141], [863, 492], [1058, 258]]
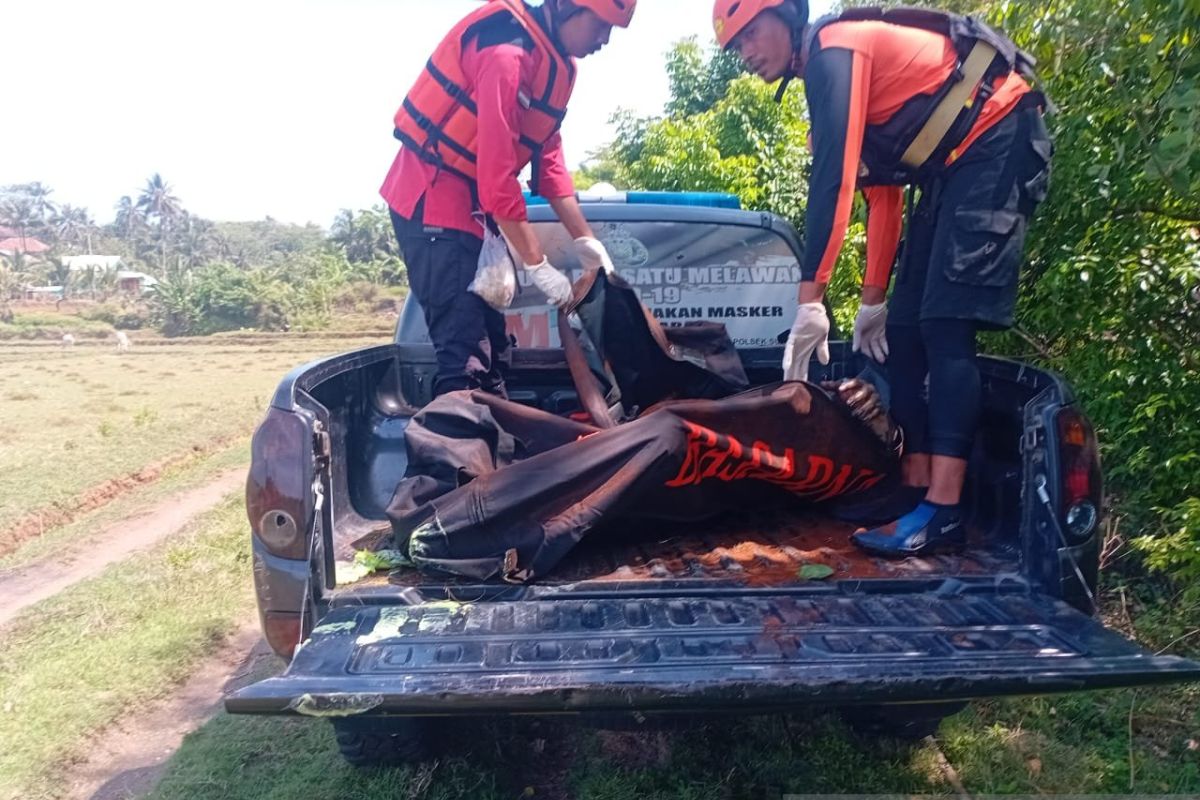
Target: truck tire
[[382, 742], [909, 722]]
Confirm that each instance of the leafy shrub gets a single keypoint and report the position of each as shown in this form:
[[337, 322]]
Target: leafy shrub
[[123, 316], [52, 327]]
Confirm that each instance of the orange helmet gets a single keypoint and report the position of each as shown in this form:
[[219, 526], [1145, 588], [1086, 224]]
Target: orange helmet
[[730, 17], [614, 12]]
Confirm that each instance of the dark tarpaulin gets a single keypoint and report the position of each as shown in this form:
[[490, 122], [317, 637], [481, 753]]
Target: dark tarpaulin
[[648, 362], [500, 489], [497, 489]]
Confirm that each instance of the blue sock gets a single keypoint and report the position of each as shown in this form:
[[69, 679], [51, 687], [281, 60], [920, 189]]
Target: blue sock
[[916, 519], [926, 527], [938, 519]]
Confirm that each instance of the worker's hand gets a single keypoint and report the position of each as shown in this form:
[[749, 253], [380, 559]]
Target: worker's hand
[[864, 402], [870, 332], [859, 396], [810, 332], [593, 255], [551, 282]]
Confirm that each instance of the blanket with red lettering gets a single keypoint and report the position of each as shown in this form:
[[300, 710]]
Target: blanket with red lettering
[[501, 490]]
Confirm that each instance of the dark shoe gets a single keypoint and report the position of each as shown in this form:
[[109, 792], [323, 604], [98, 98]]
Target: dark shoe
[[926, 530], [887, 508]]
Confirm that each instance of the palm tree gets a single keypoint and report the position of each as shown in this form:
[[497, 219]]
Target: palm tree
[[198, 242], [74, 226], [157, 202], [364, 237], [130, 219], [341, 232], [39, 195], [60, 275], [18, 212]]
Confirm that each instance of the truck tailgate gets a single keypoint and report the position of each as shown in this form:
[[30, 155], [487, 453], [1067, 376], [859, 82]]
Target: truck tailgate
[[764, 650]]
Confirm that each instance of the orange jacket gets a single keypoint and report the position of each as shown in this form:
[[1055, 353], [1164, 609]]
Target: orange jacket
[[439, 117]]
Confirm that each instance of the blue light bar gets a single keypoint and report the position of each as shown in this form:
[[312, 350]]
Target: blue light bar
[[705, 199], [701, 199]]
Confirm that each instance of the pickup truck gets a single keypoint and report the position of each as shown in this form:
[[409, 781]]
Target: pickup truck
[[664, 623]]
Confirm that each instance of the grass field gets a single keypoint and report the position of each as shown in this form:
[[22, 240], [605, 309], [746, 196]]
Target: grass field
[[79, 422], [81, 660], [76, 418]]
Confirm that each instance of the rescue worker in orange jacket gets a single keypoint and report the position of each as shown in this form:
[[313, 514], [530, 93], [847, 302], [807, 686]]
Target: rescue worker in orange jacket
[[936, 101], [489, 103]]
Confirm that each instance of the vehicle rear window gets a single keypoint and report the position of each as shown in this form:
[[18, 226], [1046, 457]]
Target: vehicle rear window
[[744, 277]]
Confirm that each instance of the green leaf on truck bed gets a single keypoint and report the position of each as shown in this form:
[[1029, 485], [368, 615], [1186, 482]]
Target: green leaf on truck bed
[[381, 559], [815, 572], [347, 572]]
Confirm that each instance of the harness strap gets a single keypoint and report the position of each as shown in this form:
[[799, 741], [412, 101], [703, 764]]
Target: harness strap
[[960, 96]]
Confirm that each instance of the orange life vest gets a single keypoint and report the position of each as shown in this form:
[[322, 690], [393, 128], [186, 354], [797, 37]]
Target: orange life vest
[[438, 118]]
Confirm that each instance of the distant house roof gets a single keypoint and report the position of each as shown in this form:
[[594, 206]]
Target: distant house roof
[[130, 275], [14, 244], [80, 263]]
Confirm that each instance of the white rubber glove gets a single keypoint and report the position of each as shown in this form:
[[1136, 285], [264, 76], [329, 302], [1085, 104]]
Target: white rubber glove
[[810, 332], [551, 282], [593, 255], [870, 332]]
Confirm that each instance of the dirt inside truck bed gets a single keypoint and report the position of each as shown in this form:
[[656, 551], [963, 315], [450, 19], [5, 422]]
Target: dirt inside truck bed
[[767, 549]]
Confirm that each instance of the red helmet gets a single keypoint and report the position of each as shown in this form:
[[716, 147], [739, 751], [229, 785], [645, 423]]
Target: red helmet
[[730, 17], [614, 12]]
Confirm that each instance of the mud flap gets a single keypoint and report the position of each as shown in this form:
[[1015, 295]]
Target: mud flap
[[694, 654]]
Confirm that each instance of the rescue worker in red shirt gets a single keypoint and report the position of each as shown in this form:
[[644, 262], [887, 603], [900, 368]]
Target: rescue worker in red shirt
[[936, 101], [489, 103]]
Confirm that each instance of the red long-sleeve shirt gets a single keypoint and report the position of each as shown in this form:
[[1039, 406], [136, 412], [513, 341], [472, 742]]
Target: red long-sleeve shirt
[[859, 75], [495, 74]]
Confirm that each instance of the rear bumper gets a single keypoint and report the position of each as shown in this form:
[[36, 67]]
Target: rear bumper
[[696, 654], [808, 689]]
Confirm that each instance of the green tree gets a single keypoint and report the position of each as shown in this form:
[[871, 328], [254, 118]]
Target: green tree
[[73, 226], [365, 238], [197, 241], [39, 196], [160, 205], [266, 242], [1111, 291], [130, 222], [59, 274], [698, 80], [17, 212]]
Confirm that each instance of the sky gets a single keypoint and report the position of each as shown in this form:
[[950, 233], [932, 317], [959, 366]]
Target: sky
[[252, 108]]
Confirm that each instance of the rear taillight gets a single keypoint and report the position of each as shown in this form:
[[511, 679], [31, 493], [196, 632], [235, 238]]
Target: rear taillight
[[279, 490], [283, 631], [1081, 489]]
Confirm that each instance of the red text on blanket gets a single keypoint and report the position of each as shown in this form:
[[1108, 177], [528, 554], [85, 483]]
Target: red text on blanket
[[715, 455]]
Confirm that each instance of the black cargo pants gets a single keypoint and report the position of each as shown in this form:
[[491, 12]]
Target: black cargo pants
[[469, 336], [958, 274]]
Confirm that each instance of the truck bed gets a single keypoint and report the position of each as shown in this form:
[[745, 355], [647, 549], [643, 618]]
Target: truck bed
[[761, 550], [743, 549]]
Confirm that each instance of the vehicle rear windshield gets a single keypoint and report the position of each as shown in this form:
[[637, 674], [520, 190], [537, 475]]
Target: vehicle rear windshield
[[744, 277]]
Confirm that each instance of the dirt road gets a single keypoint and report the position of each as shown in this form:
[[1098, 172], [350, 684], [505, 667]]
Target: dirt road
[[129, 758], [88, 557]]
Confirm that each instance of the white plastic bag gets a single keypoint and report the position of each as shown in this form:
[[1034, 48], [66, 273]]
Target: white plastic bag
[[496, 278]]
